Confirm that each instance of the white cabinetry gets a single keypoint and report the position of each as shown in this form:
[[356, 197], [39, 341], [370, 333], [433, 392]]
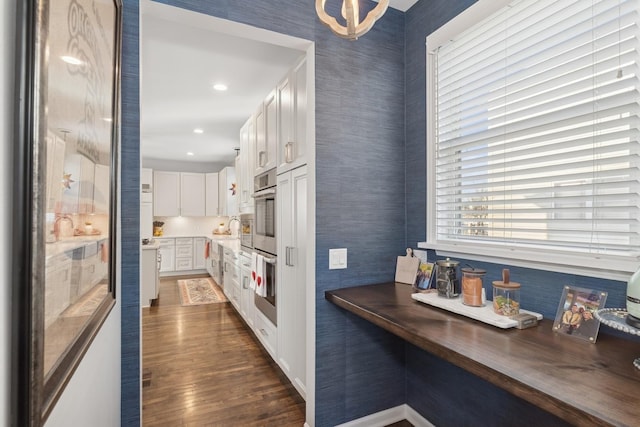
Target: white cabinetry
[[146, 220], [101, 189], [55, 171], [227, 195], [167, 251], [192, 194], [266, 333], [291, 273], [199, 262], [215, 263], [231, 277], [266, 135], [211, 196], [247, 307], [150, 277], [146, 185], [184, 253], [247, 165], [292, 119], [166, 193], [179, 194]]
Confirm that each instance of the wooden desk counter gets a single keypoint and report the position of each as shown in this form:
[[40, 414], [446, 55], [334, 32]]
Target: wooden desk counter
[[573, 379]]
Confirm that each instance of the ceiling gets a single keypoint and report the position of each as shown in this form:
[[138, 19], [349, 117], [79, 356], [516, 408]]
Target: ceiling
[[183, 54]]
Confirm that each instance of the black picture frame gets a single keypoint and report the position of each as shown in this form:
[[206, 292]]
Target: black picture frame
[[66, 145]]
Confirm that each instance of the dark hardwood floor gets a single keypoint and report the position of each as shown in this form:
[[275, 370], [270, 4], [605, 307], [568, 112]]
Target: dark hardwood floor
[[203, 367]]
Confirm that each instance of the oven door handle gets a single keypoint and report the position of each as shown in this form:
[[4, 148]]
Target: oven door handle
[[270, 260], [263, 193]]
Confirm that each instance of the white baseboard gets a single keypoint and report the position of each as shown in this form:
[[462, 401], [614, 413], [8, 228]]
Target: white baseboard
[[390, 416]]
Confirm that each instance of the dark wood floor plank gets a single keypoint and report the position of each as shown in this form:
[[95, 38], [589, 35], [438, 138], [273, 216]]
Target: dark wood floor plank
[[203, 367]]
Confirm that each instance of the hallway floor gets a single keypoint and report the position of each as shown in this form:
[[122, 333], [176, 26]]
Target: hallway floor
[[202, 366]]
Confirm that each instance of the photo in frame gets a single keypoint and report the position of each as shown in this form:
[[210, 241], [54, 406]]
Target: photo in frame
[[67, 121], [575, 316]]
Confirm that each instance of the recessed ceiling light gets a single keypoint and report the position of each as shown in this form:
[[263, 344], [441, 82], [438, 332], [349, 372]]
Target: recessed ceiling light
[[71, 60], [221, 87], [198, 130], [189, 153]]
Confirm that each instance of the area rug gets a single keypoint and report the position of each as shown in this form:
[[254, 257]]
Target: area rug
[[88, 303], [200, 291]]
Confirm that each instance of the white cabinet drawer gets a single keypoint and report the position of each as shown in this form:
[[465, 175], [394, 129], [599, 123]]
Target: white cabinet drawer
[[166, 242], [184, 264], [266, 333], [184, 251], [187, 241]]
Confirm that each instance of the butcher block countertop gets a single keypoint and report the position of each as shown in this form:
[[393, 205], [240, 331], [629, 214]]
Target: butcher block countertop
[[573, 379]]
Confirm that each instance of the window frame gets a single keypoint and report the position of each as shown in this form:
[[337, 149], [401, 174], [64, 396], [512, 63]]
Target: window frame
[[585, 264]]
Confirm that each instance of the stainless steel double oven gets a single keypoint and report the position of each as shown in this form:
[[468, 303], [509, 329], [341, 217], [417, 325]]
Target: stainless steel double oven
[[264, 238]]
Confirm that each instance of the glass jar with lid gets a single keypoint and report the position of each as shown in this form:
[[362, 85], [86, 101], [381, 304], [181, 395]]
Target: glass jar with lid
[[506, 296], [472, 286]]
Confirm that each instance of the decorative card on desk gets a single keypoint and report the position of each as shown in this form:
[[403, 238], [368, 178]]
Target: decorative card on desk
[[575, 313]]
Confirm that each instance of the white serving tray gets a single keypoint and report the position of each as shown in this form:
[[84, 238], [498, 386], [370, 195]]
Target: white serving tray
[[484, 314]]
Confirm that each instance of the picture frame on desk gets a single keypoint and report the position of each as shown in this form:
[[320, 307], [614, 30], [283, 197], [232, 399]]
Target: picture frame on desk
[[575, 316], [425, 279], [65, 179]]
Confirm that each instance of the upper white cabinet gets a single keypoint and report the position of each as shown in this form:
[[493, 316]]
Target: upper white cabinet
[[292, 119], [266, 134], [101, 189], [146, 185], [166, 189], [192, 194], [55, 171], [227, 192], [179, 194], [211, 197]]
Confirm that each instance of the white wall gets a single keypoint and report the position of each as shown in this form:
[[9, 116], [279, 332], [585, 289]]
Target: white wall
[[92, 396], [7, 41]]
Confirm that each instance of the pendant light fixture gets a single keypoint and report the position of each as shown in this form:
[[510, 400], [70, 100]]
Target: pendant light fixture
[[351, 13]]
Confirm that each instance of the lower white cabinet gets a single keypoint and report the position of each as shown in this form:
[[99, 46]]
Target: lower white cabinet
[[167, 251], [150, 275], [199, 262], [184, 253], [267, 333], [231, 277], [247, 307], [291, 273]]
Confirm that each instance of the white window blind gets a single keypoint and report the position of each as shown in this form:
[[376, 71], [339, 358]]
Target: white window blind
[[534, 131]]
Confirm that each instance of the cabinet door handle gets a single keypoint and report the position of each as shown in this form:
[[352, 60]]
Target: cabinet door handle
[[289, 256], [245, 281], [288, 152]]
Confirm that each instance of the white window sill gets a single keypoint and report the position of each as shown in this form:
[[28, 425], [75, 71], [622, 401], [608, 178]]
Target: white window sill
[[600, 266]]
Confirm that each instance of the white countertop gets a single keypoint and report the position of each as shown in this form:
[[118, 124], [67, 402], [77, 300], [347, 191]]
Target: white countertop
[[72, 243]]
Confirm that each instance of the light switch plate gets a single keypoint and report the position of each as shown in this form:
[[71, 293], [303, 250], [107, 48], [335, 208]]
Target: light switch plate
[[337, 258]]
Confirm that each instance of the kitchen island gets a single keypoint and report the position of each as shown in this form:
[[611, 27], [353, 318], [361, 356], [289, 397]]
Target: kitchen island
[[579, 382]]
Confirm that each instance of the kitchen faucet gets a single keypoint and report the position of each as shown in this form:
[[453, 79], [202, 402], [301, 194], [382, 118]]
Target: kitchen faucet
[[57, 226], [231, 219]]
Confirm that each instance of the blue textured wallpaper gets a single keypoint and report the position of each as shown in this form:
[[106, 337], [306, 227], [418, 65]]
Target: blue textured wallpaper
[[129, 293], [360, 197]]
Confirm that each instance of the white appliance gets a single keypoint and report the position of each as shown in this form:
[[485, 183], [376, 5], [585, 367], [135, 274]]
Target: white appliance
[[146, 203]]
